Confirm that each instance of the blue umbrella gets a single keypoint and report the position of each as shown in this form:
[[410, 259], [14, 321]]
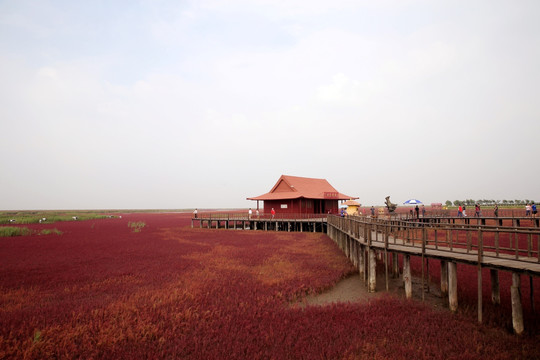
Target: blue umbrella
[[412, 202]]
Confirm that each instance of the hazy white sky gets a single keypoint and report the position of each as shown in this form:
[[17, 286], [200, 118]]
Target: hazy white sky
[[181, 104]]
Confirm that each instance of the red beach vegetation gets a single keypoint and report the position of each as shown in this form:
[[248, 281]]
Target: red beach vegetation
[[102, 290]]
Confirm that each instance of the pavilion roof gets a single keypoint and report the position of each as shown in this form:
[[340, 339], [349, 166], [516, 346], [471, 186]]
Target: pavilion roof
[[295, 187]]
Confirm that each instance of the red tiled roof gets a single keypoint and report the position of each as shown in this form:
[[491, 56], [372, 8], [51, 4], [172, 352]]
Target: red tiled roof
[[295, 187]]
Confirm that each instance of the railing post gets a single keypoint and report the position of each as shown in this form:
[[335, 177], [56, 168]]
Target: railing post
[[386, 255], [424, 238]]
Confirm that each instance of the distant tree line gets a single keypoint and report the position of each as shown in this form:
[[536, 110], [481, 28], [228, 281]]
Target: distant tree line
[[485, 202]]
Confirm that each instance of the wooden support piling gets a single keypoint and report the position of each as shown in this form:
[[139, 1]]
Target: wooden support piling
[[361, 263], [395, 265], [452, 286], [479, 294], [531, 287], [372, 271], [517, 309], [444, 278], [495, 289], [407, 279]]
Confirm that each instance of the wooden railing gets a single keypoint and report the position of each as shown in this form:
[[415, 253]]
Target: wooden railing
[[243, 216], [508, 242]]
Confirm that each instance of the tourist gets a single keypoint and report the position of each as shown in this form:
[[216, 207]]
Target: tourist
[[417, 211], [273, 212], [372, 211], [423, 211], [195, 213], [496, 210], [477, 210], [464, 211], [528, 210], [249, 214], [533, 207], [257, 213], [460, 211]]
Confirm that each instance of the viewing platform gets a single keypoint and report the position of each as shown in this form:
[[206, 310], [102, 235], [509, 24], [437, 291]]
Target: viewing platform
[[278, 222]]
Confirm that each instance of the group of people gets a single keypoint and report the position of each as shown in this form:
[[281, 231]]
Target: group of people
[[250, 213], [462, 211], [417, 211], [530, 210]]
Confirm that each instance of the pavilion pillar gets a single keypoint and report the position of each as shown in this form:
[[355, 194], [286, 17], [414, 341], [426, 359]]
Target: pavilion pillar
[[407, 279]]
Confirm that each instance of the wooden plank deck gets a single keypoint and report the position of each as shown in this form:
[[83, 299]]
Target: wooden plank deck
[[490, 259]]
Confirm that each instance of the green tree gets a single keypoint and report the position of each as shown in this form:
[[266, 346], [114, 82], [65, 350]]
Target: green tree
[[448, 203]]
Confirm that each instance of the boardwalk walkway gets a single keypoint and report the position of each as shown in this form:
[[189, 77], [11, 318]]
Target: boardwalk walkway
[[471, 241]]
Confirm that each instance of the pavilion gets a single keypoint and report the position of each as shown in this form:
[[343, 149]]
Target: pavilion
[[301, 195]]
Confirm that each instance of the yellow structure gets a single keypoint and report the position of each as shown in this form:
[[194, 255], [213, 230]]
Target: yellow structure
[[352, 207]]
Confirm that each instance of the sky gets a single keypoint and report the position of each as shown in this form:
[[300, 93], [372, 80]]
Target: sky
[[201, 104]]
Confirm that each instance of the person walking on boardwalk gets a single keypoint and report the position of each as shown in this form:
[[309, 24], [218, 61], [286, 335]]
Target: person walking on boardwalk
[[417, 211], [460, 211], [496, 210], [423, 211], [477, 210], [195, 213], [534, 211], [273, 212], [372, 211], [249, 214]]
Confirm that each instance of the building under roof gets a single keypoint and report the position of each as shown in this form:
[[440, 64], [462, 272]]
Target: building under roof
[[301, 195]]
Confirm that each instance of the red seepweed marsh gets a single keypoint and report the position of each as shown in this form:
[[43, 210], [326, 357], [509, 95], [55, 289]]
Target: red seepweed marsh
[[102, 290]]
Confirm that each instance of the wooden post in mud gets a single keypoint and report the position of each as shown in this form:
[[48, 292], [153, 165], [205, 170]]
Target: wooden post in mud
[[386, 257], [452, 286], [395, 265], [517, 309], [479, 293], [444, 278], [407, 279], [495, 289], [372, 271], [355, 252], [362, 263], [480, 258], [531, 287]]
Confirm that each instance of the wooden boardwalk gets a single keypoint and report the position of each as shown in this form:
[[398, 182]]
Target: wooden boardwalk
[[512, 248], [497, 243], [282, 222]]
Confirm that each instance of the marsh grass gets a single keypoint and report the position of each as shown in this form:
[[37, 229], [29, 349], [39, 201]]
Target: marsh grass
[[6, 231], [50, 231], [32, 217], [136, 226]]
